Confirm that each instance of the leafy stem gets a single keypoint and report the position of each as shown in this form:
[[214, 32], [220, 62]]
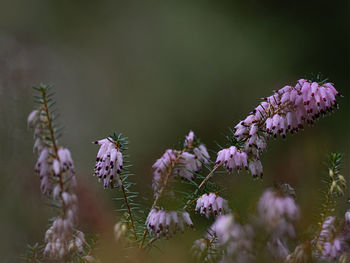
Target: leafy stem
[[52, 139], [160, 192]]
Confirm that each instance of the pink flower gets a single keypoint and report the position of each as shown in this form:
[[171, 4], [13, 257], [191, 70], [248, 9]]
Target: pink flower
[[210, 203], [162, 223], [109, 162]]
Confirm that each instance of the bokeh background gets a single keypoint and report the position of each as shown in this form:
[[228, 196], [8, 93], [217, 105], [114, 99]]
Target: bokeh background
[[153, 70]]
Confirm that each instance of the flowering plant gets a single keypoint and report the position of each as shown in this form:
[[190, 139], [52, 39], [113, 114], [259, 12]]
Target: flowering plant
[[269, 234]]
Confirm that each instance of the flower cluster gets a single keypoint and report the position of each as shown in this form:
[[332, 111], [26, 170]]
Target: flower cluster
[[332, 242], [180, 163], [59, 237], [287, 110], [232, 158], [109, 162], [55, 167], [210, 203], [235, 238], [161, 223], [277, 213]]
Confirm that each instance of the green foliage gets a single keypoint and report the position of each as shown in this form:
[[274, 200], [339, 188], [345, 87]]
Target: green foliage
[[33, 254]]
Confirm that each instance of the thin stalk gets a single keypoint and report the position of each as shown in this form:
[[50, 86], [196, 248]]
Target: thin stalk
[[208, 176], [324, 215], [53, 140], [151, 242], [129, 210]]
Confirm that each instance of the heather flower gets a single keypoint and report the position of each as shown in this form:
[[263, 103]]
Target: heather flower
[[232, 158], [183, 164], [161, 167], [277, 213], [59, 236], [189, 139], [120, 230], [44, 169], [33, 118], [333, 243], [347, 217], [162, 223], [77, 244], [205, 250], [109, 162], [187, 165], [301, 254], [287, 110], [209, 204], [234, 238]]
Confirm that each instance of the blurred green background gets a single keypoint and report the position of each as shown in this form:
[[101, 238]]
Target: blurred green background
[[153, 70]]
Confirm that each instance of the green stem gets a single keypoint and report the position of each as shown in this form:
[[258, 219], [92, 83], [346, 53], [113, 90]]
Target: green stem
[[53, 140], [128, 207]]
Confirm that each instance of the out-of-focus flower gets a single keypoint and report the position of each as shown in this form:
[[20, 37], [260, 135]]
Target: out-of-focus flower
[[278, 249], [332, 242], [189, 139], [120, 230], [301, 254], [77, 243], [234, 238], [90, 259], [59, 236], [347, 217], [33, 118], [276, 213], [44, 169], [109, 162], [162, 223], [206, 250], [210, 203]]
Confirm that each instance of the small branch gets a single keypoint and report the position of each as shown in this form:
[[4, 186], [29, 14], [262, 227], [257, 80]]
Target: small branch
[[151, 242], [155, 202], [53, 140], [128, 207], [208, 176]]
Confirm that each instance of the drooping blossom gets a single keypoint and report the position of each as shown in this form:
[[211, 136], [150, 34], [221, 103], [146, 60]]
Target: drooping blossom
[[33, 118], [277, 213], [232, 158], [44, 169], [234, 238], [347, 217], [205, 250], [287, 110], [161, 168], [333, 242], [109, 162], [183, 164], [120, 230], [162, 223], [60, 235], [211, 204]]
